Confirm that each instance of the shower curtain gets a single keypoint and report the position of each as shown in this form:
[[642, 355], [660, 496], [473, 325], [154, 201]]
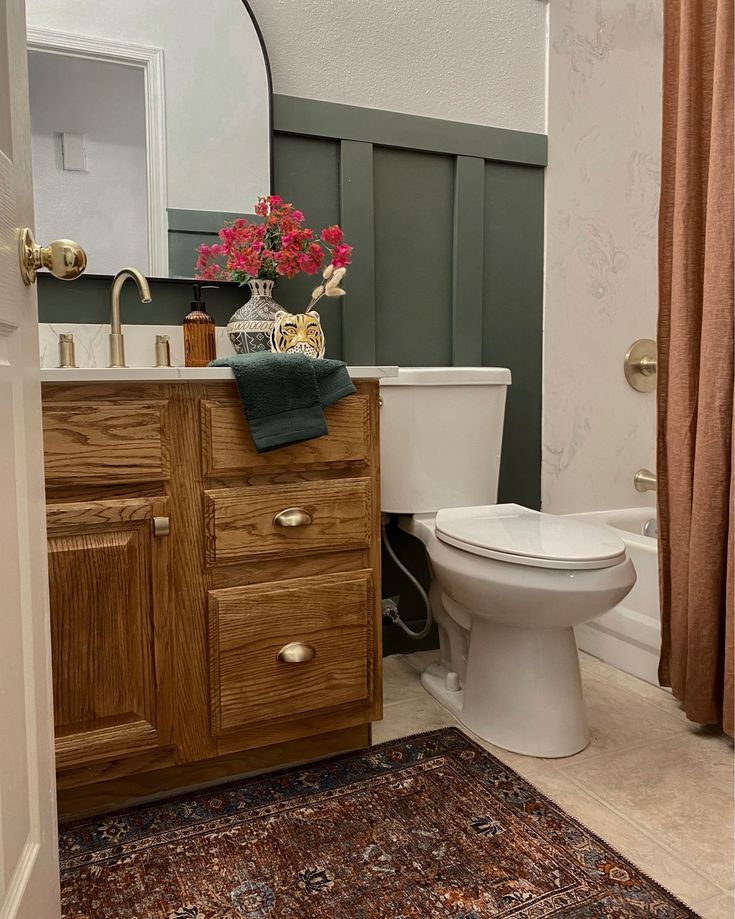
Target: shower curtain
[[695, 359]]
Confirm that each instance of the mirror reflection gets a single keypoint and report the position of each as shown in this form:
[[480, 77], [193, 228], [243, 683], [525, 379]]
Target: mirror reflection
[[145, 138]]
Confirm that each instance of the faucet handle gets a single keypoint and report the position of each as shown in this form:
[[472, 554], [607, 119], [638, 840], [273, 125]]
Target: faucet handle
[[64, 258], [66, 350], [163, 351]]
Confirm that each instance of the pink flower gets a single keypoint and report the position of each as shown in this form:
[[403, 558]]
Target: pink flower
[[341, 256], [210, 273], [287, 263], [332, 235], [311, 261], [278, 244], [203, 257], [307, 264]]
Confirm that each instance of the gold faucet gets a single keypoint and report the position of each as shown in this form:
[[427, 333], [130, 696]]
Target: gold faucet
[[644, 480], [117, 342]]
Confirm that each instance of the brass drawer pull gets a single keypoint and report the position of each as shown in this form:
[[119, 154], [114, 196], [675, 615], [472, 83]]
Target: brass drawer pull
[[292, 517], [296, 653]]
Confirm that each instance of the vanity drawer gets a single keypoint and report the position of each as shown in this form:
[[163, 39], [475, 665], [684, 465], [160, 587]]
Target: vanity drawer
[[327, 616], [100, 442], [243, 523], [228, 449]]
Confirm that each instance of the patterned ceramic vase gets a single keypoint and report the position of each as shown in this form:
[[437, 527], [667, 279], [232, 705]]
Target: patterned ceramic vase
[[251, 326]]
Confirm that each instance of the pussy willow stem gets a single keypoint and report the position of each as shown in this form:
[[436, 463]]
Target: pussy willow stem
[[315, 300]]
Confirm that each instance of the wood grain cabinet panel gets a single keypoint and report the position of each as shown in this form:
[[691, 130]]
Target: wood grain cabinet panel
[[108, 578], [165, 647], [248, 626], [240, 522], [228, 449], [104, 442]]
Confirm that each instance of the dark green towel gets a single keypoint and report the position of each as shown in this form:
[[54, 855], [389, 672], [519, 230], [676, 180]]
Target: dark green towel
[[283, 395]]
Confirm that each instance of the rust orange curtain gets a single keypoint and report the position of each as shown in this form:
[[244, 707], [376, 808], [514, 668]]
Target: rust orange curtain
[[695, 359]]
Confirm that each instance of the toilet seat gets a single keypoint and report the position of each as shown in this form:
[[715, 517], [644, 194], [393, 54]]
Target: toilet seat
[[521, 536]]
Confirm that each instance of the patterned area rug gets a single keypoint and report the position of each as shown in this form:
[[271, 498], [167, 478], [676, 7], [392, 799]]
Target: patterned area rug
[[420, 828]]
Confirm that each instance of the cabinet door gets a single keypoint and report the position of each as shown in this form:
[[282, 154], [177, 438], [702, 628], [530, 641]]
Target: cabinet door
[[108, 576]]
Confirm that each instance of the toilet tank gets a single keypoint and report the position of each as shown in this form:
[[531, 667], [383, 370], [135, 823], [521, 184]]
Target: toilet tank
[[441, 432]]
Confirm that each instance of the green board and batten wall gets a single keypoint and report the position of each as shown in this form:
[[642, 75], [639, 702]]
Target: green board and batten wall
[[446, 220]]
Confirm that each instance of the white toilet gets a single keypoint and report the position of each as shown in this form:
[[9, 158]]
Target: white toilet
[[508, 583]]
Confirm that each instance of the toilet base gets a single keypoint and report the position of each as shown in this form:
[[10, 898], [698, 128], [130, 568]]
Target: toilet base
[[523, 690]]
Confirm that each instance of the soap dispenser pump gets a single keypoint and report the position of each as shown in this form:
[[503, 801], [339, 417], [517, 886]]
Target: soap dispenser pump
[[200, 346]]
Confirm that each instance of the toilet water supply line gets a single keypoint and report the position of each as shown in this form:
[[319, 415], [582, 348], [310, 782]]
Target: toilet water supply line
[[390, 609]]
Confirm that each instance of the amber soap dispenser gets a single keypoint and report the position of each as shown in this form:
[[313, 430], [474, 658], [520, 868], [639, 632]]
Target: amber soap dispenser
[[200, 346]]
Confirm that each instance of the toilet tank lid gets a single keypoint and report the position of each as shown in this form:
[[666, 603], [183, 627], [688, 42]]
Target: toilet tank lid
[[449, 376]]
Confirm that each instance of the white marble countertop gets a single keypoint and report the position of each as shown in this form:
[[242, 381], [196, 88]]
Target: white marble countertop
[[173, 374], [92, 354]]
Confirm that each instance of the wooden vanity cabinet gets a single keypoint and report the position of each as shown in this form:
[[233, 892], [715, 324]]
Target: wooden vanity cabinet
[[174, 589]]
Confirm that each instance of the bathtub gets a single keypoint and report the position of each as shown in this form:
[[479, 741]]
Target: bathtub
[[629, 636]]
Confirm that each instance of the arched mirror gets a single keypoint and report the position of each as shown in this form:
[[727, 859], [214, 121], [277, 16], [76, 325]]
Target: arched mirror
[[151, 126]]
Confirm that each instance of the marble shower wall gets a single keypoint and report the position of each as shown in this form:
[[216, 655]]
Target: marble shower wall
[[601, 276]]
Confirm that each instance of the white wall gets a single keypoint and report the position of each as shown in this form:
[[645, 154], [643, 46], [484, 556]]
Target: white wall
[[105, 208], [601, 276], [479, 61], [216, 100]]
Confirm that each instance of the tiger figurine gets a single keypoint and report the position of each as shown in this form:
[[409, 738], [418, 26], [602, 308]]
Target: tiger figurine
[[299, 333]]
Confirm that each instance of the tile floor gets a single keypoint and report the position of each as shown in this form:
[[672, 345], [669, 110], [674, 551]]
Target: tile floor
[[656, 787]]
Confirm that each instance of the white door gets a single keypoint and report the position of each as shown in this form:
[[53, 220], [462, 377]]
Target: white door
[[29, 881]]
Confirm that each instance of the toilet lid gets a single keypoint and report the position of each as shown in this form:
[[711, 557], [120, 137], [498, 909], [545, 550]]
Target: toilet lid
[[519, 535]]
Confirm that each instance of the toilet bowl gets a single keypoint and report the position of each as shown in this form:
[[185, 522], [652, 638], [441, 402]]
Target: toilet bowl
[[506, 605], [508, 583]]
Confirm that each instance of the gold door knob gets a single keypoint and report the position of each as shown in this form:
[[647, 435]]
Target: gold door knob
[[292, 517], [64, 258], [296, 653]]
